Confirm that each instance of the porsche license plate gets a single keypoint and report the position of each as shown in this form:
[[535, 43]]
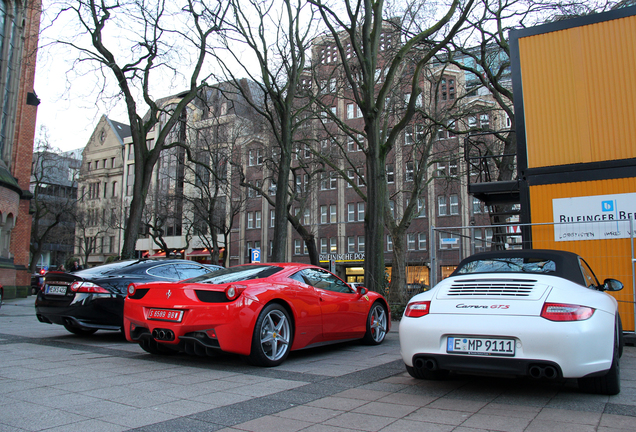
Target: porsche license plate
[[55, 289], [480, 346], [165, 315]]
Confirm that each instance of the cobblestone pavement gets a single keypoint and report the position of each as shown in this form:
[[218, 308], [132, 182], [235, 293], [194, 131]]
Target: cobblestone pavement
[[51, 380]]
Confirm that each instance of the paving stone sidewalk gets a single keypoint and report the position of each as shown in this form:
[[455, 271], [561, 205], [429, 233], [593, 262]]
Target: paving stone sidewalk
[[51, 380]]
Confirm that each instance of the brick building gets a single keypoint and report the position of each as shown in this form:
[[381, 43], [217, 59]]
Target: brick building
[[18, 45]]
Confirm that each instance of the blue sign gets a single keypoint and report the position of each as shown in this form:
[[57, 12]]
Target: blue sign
[[607, 205], [255, 255]]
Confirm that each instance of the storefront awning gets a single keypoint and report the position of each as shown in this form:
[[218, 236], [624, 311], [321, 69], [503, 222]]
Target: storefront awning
[[199, 252]]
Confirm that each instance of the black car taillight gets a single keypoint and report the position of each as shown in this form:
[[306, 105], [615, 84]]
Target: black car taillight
[[88, 287]]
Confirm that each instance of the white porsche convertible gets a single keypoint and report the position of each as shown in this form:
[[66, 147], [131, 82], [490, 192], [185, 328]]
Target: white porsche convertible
[[536, 313]]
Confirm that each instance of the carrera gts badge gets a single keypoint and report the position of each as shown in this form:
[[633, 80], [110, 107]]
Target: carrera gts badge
[[168, 294]]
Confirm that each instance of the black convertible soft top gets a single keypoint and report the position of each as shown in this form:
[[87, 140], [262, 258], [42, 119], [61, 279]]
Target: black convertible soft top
[[566, 266]]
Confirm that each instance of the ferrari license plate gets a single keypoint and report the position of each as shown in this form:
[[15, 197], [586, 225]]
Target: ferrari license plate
[[480, 346], [55, 289], [165, 315]]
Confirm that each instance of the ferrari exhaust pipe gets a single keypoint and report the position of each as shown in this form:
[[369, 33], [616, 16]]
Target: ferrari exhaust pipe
[[163, 334]]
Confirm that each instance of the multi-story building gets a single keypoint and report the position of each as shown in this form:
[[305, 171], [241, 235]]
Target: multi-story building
[[99, 211], [329, 204], [54, 188], [19, 29]]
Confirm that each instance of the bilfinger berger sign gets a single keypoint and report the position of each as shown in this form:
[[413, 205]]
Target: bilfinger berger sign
[[593, 217]]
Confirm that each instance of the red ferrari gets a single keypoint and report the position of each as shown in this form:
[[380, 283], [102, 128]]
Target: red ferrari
[[261, 311]]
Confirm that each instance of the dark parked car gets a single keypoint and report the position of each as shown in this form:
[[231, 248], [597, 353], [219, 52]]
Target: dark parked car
[[93, 299]]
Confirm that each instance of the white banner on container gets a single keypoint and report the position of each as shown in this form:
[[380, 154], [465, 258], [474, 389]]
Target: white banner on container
[[593, 217]]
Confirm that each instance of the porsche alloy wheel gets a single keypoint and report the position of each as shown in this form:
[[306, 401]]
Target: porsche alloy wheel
[[610, 383], [272, 337], [377, 322]]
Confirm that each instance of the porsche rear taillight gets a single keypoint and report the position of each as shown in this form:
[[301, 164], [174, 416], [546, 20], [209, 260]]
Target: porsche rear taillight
[[232, 292], [417, 309], [566, 312], [88, 287]]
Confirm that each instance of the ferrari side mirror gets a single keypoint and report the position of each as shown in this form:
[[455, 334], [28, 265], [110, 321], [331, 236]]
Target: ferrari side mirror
[[361, 290]]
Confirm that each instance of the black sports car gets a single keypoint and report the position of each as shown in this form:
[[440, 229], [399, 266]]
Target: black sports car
[[93, 299]]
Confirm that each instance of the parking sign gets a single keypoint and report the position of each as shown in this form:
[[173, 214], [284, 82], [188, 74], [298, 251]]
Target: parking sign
[[255, 255]]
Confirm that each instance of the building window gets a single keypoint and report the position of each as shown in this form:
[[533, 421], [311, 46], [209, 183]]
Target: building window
[[408, 135], [440, 169], [361, 211], [130, 180], [351, 244], [361, 177], [250, 220], [323, 245], [421, 241], [408, 174], [333, 245], [332, 214], [454, 205], [410, 241], [297, 247], [323, 214], [272, 218], [452, 168], [389, 243], [351, 212], [421, 207], [390, 175], [361, 244], [333, 180], [476, 205], [257, 219], [442, 208]]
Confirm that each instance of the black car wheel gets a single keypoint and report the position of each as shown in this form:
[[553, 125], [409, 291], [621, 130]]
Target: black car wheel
[[272, 338], [610, 383], [376, 324], [79, 331]]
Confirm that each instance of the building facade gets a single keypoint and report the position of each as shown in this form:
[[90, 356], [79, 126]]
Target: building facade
[[100, 193], [19, 28]]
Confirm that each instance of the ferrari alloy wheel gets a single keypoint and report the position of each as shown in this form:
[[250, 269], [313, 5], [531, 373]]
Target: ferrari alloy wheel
[[272, 338], [377, 323], [79, 331]]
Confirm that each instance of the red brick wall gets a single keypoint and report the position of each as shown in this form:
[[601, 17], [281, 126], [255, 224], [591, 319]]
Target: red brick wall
[[23, 147]]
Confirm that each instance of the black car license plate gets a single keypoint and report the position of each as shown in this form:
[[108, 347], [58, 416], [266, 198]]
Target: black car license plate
[[55, 289]]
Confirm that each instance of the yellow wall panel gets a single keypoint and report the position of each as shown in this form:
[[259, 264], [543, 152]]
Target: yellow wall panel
[[579, 93], [608, 258]]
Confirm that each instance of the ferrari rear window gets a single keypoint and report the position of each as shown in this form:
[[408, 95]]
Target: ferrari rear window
[[508, 265], [237, 274]]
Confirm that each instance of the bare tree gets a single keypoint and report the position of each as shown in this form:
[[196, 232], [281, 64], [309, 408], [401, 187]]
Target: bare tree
[[141, 44], [276, 35], [54, 189], [367, 41]]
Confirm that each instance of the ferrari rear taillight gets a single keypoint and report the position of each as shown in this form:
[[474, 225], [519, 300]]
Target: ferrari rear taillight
[[566, 312], [233, 291], [131, 290], [88, 287], [417, 309]]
